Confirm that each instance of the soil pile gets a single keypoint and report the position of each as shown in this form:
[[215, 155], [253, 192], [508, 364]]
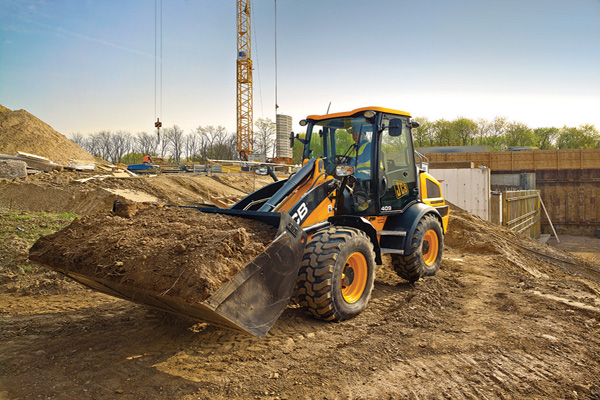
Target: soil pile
[[62, 192], [173, 251], [22, 132], [469, 234], [482, 327]]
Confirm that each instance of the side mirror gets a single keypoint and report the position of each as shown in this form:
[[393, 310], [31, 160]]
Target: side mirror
[[383, 185], [292, 137], [414, 124], [395, 127]]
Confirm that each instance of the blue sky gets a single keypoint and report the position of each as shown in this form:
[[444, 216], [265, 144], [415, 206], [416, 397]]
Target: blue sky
[[89, 65]]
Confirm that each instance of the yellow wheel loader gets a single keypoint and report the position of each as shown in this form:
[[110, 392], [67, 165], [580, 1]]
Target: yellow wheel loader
[[359, 194]]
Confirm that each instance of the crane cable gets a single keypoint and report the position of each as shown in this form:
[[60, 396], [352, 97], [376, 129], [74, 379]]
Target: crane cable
[[275, 24], [255, 42], [158, 66]]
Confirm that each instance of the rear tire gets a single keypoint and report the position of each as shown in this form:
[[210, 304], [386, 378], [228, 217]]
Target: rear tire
[[425, 254], [337, 274]]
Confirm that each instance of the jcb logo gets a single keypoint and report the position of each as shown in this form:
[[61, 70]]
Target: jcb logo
[[300, 214], [401, 188]]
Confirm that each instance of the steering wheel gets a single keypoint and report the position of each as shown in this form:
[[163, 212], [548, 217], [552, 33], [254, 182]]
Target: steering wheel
[[341, 159]]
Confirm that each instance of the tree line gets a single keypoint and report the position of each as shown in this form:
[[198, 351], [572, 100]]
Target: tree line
[[198, 145], [215, 142], [501, 134]]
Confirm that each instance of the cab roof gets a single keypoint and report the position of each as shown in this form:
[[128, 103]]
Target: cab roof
[[358, 110]]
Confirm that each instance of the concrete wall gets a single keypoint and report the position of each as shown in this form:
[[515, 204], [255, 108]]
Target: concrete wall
[[513, 181], [467, 188]]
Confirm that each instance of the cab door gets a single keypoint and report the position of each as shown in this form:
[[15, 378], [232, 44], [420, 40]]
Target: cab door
[[397, 170]]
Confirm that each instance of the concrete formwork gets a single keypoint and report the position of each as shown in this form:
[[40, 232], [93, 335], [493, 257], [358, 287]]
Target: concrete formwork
[[568, 181], [468, 188]]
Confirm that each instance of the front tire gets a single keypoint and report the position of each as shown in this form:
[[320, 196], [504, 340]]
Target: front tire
[[425, 254], [337, 274]]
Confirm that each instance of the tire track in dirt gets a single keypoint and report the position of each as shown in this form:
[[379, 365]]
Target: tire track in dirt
[[476, 330], [494, 375]]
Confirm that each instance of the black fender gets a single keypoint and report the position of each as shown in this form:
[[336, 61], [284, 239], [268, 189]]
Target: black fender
[[408, 221], [362, 224]]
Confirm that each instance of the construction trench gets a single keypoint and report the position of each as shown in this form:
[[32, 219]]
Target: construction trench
[[505, 317]]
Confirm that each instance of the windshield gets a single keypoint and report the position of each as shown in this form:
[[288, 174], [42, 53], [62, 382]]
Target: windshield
[[341, 141]]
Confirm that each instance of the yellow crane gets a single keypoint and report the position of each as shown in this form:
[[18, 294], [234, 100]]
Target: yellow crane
[[243, 76], [244, 80]]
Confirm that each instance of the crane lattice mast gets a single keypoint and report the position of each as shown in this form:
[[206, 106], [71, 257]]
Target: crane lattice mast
[[244, 80]]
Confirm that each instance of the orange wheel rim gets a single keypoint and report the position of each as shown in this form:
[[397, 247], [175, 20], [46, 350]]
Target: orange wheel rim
[[430, 247], [354, 277]]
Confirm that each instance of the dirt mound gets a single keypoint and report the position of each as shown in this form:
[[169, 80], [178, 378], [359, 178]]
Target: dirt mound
[[168, 250], [469, 234], [482, 327], [62, 192], [22, 132]]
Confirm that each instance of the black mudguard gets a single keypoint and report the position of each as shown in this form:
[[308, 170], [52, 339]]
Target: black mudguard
[[407, 221], [362, 224]]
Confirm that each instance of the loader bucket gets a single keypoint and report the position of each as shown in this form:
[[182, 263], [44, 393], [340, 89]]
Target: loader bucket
[[250, 302]]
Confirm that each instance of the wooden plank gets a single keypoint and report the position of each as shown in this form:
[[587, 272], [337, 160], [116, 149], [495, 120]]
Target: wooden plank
[[523, 161], [225, 201], [33, 157], [480, 159], [496, 208], [451, 164], [527, 160], [545, 159], [501, 161], [522, 212], [82, 165], [548, 216], [570, 159], [590, 159], [33, 164]]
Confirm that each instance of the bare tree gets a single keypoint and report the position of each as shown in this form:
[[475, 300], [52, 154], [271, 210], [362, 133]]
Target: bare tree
[[100, 145], [264, 136], [216, 142], [121, 144], [192, 144], [175, 139], [162, 144], [79, 140], [146, 143]]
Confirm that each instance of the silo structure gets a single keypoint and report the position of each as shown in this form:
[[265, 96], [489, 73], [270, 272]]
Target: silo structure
[[284, 128]]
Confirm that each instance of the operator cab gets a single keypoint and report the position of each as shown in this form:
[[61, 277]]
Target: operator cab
[[377, 144]]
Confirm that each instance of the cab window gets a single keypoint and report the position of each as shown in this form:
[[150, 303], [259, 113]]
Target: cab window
[[397, 164]]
